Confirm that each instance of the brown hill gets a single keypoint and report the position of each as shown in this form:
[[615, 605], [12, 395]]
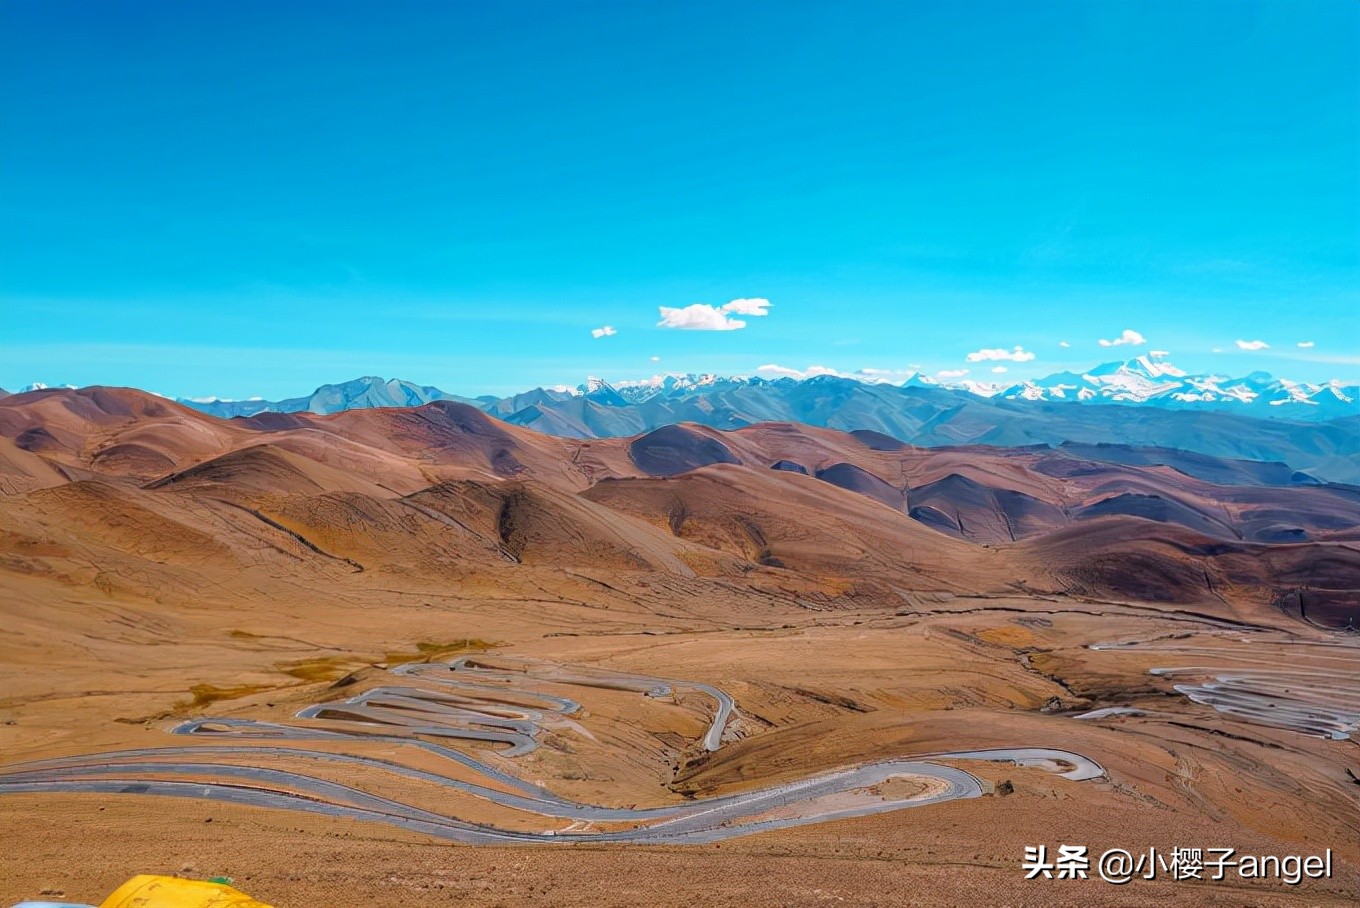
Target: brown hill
[[798, 523], [115, 431], [266, 468], [445, 484]]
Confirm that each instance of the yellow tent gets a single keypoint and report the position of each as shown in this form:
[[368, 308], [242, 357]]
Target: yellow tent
[[170, 892]]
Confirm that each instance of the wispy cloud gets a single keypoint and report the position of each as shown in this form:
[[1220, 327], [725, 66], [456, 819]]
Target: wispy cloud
[[1129, 337], [999, 369], [1018, 355], [606, 331], [868, 374], [891, 376], [1305, 344], [786, 372], [656, 359], [1063, 344], [1252, 345], [1329, 359], [1159, 354], [704, 317], [754, 306], [951, 373]]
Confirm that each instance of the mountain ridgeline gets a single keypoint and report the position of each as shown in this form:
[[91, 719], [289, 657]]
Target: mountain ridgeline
[[1312, 429], [446, 491]]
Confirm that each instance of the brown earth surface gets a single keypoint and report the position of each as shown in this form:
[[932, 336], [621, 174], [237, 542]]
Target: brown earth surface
[[158, 565]]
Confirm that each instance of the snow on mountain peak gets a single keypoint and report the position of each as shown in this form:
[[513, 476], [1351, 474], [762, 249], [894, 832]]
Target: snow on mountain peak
[[1154, 369], [39, 386], [1148, 380]]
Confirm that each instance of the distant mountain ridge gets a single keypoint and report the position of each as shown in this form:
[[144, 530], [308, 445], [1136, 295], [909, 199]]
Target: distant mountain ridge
[[1145, 380], [1145, 401], [447, 486], [1150, 380], [932, 416], [360, 393]]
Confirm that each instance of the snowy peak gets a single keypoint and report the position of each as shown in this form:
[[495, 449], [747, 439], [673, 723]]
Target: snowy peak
[[599, 391], [1152, 380], [39, 386], [1145, 380], [1146, 366]]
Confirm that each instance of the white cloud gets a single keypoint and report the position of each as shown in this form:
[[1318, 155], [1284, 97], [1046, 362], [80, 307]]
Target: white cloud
[[656, 359], [1216, 350], [698, 317], [1252, 345], [868, 374], [999, 369], [1129, 336], [1159, 353], [606, 331], [785, 372], [891, 376], [1063, 344], [951, 373], [1305, 344], [703, 317], [748, 307], [1018, 355]]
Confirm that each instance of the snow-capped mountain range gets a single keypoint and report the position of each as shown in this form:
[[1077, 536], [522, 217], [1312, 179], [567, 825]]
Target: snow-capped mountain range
[[1145, 401], [1145, 380]]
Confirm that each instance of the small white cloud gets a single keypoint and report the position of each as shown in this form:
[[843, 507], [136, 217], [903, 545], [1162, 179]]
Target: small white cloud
[[606, 331], [1305, 344], [1216, 350], [1159, 354], [748, 307], [778, 371], [656, 359], [1063, 344], [999, 369], [704, 317], [1252, 345], [785, 372], [1018, 355], [868, 374], [951, 373], [889, 376], [1130, 337]]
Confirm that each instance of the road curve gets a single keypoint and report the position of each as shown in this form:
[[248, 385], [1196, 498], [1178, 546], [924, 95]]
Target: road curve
[[481, 702]]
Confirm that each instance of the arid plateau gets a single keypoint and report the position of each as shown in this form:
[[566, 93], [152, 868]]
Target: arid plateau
[[421, 656]]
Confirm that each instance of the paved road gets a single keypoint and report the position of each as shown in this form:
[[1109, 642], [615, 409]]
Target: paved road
[[490, 706], [1314, 689]]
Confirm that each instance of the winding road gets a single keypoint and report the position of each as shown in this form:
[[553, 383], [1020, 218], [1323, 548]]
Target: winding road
[[492, 704]]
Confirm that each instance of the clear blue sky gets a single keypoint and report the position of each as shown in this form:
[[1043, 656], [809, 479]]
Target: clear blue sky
[[240, 198]]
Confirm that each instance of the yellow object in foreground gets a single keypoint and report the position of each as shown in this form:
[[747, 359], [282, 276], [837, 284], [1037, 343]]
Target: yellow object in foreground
[[171, 892]]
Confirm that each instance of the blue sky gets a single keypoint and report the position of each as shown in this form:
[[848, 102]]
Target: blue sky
[[241, 198]]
